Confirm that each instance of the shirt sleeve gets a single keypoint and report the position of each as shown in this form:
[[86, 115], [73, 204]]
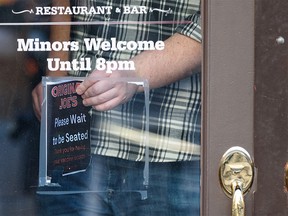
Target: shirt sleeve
[[192, 26]]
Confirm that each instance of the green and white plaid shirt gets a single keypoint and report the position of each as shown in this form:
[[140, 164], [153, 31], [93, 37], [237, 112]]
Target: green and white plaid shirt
[[175, 110]]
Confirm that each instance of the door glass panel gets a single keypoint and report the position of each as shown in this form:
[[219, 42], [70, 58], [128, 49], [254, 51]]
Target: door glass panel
[[138, 150]]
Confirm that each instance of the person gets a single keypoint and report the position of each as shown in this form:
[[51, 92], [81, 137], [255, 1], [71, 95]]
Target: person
[[174, 80]]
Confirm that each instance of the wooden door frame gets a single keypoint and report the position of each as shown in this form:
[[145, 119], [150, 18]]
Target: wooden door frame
[[228, 77]]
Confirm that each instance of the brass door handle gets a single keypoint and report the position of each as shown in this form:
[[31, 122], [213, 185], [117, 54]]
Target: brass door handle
[[238, 204], [236, 173]]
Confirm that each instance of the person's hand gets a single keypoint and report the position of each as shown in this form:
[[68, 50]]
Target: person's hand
[[37, 98], [108, 92]]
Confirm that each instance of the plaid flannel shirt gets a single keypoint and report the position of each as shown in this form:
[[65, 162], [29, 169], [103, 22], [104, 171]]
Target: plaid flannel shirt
[[175, 110]]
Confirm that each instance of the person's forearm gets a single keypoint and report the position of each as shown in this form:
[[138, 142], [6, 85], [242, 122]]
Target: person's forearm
[[59, 33], [179, 59]]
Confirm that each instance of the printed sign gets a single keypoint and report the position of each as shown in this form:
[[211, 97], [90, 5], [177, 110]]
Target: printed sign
[[67, 128]]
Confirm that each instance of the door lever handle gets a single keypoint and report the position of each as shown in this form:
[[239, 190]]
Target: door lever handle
[[238, 204], [236, 174]]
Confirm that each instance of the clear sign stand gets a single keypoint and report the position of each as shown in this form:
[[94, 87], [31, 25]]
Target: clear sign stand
[[64, 89]]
